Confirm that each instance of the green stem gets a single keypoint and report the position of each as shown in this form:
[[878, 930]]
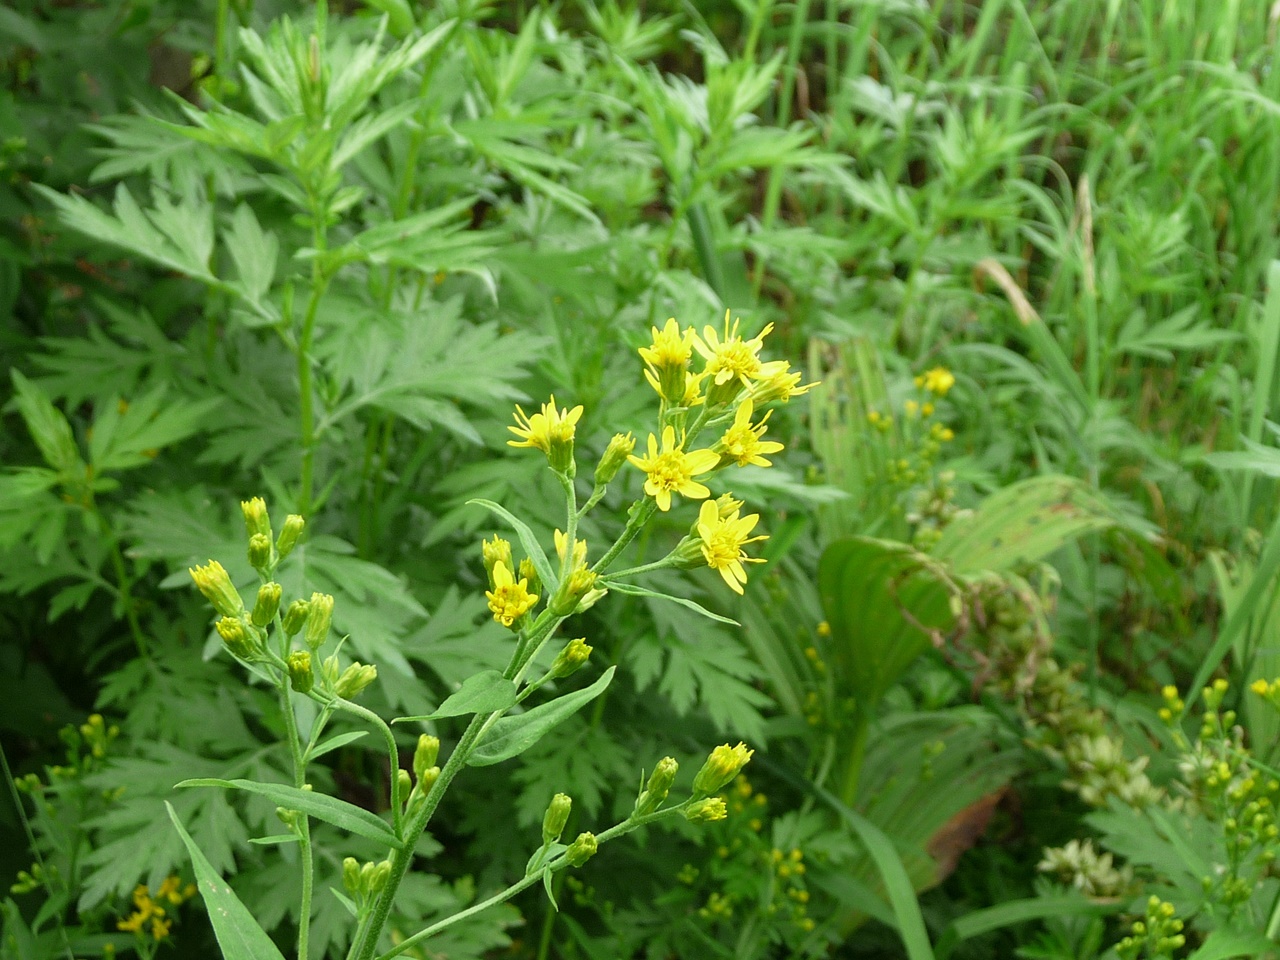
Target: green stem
[[319, 283], [393, 755], [124, 588], [302, 823], [597, 495], [571, 523], [853, 772], [662, 564], [635, 523]]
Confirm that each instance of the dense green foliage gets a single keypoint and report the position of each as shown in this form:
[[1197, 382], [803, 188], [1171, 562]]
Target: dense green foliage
[[1010, 669]]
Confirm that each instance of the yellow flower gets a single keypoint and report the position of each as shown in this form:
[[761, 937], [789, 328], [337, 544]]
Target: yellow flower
[[509, 599], [551, 431], [734, 359], [160, 928], [937, 381], [722, 542], [579, 550], [741, 442], [780, 384], [667, 360], [722, 765], [672, 470]]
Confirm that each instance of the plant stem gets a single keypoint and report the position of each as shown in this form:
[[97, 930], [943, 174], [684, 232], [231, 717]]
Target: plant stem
[[302, 824], [393, 755], [635, 523], [319, 283]]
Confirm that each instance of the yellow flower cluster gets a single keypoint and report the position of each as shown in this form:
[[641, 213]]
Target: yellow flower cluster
[[148, 913]]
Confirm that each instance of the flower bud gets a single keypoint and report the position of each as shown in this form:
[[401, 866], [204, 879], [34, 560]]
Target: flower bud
[[495, 551], [706, 811], [354, 679], [351, 875], [660, 781], [571, 659], [213, 582], [424, 755], [405, 782], [260, 552], [378, 880], [721, 767], [527, 571], [319, 616], [329, 671], [256, 520], [268, 602], [581, 850], [575, 586], [289, 534], [366, 877], [615, 455], [556, 817], [236, 637], [295, 617], [300, 676]]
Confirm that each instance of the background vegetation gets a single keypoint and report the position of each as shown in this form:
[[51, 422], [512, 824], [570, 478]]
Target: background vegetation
[[1029, 247]]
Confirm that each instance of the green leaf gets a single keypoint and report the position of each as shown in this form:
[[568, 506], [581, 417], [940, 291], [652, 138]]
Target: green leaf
[[865, 586], [511, 736], [348, 816], [237, 931], [1024, 523], [49, 428], [527, 540], [129, 435], [337, 742], [1227, 944], [280, 838], [484, 692], [254, 252], [1014, 912], [636, 591]]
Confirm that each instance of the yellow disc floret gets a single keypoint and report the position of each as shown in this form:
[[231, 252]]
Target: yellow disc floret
[[741, 443], [672, 469], [722, 540], [509, 599]]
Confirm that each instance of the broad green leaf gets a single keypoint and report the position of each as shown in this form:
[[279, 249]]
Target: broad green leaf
[[348, 816], [527, 540], [1229, 944], [511, 736], [866, 585], [1024, 523], [336, 742], [254, 252], [49, 428], [237, 931], [635, 591], [485, 692]]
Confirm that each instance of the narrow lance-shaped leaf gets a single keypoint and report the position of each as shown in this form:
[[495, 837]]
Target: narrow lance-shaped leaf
[[511, 736], [484, 692]]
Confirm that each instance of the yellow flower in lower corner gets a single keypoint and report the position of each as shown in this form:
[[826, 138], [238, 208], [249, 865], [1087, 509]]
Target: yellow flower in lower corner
[[509, 599], [741, 442], [722, 541], [672, 470]]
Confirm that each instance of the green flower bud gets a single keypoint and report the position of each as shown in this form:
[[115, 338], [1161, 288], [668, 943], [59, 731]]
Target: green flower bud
[[495, 551], [366, 877], [286, 816], [721, 767], [556, 817], [615, 455], [259, 552], [571, 659], [378, 880], [425, 754], [405, 782], [213, 582], [660, 781], [268, 602], [581, 850], [575, 587], [351, 875], [237, 638], [427, 779], [329, 671], [295, 617], [706, 811], [256, 520], [354, 679], [529, 572], [300, 676], [319, 616], [289, 534]]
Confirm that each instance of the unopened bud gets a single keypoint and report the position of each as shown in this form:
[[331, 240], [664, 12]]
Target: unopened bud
[[255, 517], [351, 875], [329, 671], [495, 551], [655, 792], [300, 676], [427, 779], [286, 816], [425, 753], [366, 876], [529, 572], [295, 617], [268, 602], [319, 616], [378, 880], [213, 582], [575, 587], [581, 850], [556, 817], [354, 679], [236, 637], [404, 781], [615, 455], [721, 767], [571, 659], [289, 534], [260, 551], [706, 811]]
